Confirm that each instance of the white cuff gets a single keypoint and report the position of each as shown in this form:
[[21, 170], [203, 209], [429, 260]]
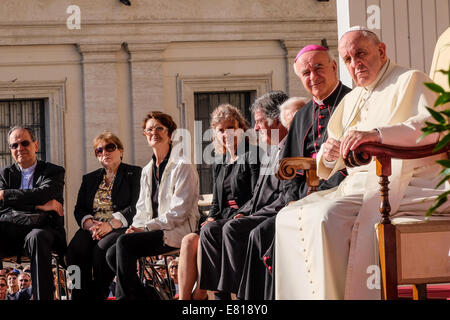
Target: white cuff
[[117, 215], [379, 132], [328, 164], [88, 216], [152, 225]]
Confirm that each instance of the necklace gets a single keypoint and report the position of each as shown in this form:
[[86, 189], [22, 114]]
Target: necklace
[[350, 120], [314, 120], [110, 185]]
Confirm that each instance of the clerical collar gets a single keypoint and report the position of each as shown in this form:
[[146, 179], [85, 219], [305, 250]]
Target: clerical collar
[[27, 177], [320, 102], [382, 72]]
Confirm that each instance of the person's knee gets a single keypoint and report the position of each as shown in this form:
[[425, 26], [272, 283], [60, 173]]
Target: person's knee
[[38, 236], [190, 242], [254, 236], [111, 256], [208, 230], [231, 228], [123, 240]]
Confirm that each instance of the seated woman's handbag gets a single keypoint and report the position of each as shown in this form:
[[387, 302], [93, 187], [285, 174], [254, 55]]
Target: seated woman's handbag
[[33, 219]]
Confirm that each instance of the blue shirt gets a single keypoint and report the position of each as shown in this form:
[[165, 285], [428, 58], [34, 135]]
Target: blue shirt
[[27, 177]]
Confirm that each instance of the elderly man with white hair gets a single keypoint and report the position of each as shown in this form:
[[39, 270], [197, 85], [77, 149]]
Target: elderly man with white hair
[[289, 108], [326, 241]]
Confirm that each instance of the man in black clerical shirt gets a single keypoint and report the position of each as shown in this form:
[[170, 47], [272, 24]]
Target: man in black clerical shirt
[[31, 209]]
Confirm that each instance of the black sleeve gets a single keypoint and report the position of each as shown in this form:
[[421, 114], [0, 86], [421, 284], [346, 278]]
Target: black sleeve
[[255, 163], [294, 189], [82, 208], [246, 208], [134, 184], [51, 186], [272, 208], [333, 181], [214, 211]]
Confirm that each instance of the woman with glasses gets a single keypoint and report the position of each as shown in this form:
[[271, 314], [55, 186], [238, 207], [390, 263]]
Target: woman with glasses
[[165, 212], [173, 273], [235, 172], [105, 207]]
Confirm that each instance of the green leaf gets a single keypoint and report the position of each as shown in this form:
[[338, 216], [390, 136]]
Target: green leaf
[[446, 112], [439, 201], [442, 99], [445, 178], [434, 87], [441, 144], [436, 115], [444, 162]]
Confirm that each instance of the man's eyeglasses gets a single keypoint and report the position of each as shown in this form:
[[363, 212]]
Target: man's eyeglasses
[[158, 129], [173, 267], [110, 147], [24, 280], [24, 143], [3, 285]]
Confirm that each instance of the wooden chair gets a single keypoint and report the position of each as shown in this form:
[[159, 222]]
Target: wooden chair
[[400, 243], [411, 252], [149, 275]]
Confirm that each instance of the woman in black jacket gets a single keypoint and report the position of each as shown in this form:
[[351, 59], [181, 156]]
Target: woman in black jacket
[[235, 172], [106, 205]]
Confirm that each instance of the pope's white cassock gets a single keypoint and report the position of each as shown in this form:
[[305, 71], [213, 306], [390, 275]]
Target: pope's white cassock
[[326, 241]]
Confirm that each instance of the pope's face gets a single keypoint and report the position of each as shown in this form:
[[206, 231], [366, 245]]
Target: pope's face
[[362, 57], [317, 73]]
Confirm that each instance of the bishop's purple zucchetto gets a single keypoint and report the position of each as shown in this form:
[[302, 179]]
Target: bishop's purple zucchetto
[[310, 47]]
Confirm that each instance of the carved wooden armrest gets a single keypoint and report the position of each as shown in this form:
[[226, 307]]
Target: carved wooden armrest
[[363, 154], [289, 167]]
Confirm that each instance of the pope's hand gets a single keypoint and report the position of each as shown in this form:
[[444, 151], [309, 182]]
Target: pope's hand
[[331, 149], [355, 138]]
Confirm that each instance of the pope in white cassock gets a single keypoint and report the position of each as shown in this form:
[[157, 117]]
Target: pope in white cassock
[[325, 242]]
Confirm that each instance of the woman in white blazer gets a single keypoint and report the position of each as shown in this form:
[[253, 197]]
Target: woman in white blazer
[[166, 209]]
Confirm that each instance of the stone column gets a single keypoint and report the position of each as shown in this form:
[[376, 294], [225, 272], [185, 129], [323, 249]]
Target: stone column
[[100, 110], [146, 91]]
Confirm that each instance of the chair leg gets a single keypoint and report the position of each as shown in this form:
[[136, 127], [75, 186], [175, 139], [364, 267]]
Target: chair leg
[[388, 261], [58, 278], [419, 291], [141, 270], [168, 277]]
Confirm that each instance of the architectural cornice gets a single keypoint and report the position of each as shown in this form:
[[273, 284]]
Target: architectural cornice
[[165, 31]]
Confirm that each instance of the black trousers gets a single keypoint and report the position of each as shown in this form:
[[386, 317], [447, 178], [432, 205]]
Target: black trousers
[[38, 244], [122, 259], [90, 256], [257, 281], [224, 246]]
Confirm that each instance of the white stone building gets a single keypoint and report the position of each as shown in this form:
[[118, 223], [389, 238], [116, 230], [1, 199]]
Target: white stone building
[[76, 67]]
